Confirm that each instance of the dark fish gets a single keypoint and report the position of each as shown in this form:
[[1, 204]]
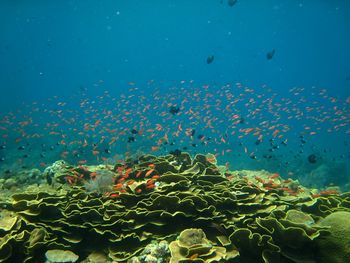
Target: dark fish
[[269, 55], [3, 147], [174, 110], [210, 59], [312, 158], [231, 2], [107, 151], [133, 131], [257, 142], [193, 132], [267, 156], [21, 148], [252, 156], [131, 139], [176, 152], [2, 159]]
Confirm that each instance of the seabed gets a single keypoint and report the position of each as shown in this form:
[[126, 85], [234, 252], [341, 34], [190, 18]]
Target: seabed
[[171, 208]]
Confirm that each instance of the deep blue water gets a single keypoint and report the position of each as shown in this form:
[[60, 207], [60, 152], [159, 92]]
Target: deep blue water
[[64, 48], [55, 47]]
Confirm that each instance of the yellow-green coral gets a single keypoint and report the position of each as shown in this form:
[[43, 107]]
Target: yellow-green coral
[[258, 222], [335, 247]]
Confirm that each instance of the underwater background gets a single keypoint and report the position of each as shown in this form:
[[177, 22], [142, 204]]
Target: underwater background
[[175, 131], [71, 51]]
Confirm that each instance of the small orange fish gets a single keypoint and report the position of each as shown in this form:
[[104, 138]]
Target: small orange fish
[[274, 176], [93, 175], [150, 186], [148, 173], [130, 182], [127, 171], [118, 186], [154, 148]]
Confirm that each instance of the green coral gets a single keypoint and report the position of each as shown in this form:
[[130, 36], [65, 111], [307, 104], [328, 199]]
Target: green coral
[[192, 245], [241, 218], [335, 247]]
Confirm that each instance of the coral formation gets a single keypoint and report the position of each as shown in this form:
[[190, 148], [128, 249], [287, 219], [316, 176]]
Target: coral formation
[[192, 245], [101, 183], [335, 247], [246, 216], [155, 252], [60, 256]]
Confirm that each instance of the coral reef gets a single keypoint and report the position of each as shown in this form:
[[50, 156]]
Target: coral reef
[[60, 256], [101, 183], [220, 215], [192, 245], [14, 179], [155, 252], [335, 247]]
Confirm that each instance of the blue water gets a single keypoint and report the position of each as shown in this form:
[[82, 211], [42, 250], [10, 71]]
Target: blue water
[[66, 48]]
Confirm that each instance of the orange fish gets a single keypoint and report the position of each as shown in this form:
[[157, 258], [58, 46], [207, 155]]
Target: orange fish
[[149, 172]]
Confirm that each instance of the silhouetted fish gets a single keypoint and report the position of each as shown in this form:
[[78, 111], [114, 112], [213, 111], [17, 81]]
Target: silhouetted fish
[[174, 110], [312, 158], [231, 2], [270, 54], [210, 59]]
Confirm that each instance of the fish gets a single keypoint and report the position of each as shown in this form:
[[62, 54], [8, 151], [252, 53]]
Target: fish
[[225, 120], [270, 54], [174, 110], [210, 59], [312, 158], [232, 2], [131, 139], [133, 131]]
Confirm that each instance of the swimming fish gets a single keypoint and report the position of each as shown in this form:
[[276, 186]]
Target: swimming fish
[[210, 59], [231, 2], [270, 54]]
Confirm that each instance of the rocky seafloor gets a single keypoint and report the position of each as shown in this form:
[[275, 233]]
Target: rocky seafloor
[[171, 208]]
